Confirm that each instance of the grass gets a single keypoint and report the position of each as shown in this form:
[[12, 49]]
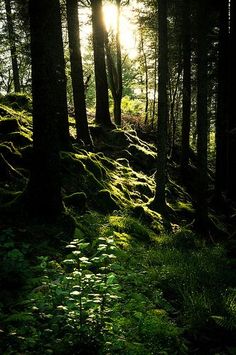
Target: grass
[[167, 295]]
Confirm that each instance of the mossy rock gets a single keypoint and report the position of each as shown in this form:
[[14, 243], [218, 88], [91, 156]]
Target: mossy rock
[[132, 226], [19, 139], [123, 161], [77, 200], [17, 101], [184, 240], [104, 202], [144, 189], [142, 156], [13, 156], [76, 176], [9, 125], [7, 196], [27, 155]]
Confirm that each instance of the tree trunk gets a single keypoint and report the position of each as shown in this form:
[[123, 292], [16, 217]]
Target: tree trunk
[[77, 78], [49, 108], [146, 76], [222, 101], [186, 114], [102, 115], [231, 188], [155, 87], [114, 67], [12, 42], [117, 104], [159, 199], [202, 118]]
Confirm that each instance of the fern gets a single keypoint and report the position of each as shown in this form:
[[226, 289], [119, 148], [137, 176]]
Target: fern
[[20, 317], [228, 321]]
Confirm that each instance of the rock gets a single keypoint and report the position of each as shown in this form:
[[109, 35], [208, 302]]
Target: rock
[[77, 200], [9, 125], [104, 202]]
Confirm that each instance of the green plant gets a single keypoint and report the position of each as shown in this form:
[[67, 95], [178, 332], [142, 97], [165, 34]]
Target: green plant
[[73, 304]]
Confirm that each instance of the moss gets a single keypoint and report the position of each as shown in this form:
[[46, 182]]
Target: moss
[[131, 226], [143, 156], [184, 240], [122, 240], [123, 161], [9, 125], [77, 200], [104, 202], [7, 196], [19, 139], [27, 155], [17, 101]]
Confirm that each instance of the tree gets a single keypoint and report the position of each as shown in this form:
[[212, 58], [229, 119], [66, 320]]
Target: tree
[[159, 199], [222, 101], [43, 194], [12, 44], [77, 72], [102, 115], [114, 66], [186, 114], [202, 117], [231, 174]]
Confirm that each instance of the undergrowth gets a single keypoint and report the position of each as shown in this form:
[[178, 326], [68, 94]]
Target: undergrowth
[[117, 289]]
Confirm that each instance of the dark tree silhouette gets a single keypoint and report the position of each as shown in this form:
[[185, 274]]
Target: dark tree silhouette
[[223, 101], [102, 100], [231, 188], [186, 38], [159, 200], [12, 44], [202, 117], [49, 108], [82, 129], [114, 66]]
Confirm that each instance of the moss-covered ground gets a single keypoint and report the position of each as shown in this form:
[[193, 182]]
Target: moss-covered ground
[[111, 276]]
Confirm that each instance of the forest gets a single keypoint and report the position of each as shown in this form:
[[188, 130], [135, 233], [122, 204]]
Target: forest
[[117, 177]]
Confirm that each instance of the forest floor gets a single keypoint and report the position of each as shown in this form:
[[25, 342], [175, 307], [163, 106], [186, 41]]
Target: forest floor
[[111, 276]]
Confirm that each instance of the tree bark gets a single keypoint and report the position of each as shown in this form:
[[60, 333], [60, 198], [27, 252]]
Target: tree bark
[[222, 101], [202, 118], [49, 108], [102, 115], [231, 171], [77, 78], [159, 199], [145, 64], [12, 42], [117, 104], [186, 113]]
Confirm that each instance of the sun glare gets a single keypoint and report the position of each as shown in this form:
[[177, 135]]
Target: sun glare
[[127, 28]]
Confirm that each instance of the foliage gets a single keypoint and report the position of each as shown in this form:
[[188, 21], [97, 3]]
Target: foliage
[[72, 305], [119, 288]]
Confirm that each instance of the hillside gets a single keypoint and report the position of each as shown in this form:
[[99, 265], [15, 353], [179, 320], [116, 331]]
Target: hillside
[[112, 276]]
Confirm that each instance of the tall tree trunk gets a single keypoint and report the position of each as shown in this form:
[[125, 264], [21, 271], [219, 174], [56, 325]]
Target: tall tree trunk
[[159, 199], [12, 42], [155, 87], [119, 90], [102, 115], [186, 114], [49, 108], [114, 66], [222, 100], [202, 118], [146, 75], [77, 78], [173, 111], [231, 188]]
